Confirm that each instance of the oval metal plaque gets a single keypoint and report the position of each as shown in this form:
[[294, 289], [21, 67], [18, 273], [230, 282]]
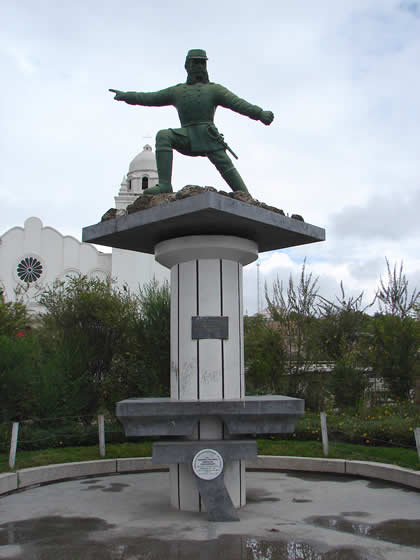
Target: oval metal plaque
[[207, 464]]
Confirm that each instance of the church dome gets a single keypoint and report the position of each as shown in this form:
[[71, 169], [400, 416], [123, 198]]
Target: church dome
[[142, 174], [144, 161]]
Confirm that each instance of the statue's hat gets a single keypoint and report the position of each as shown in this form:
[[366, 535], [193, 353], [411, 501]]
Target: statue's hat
[[196, 53]]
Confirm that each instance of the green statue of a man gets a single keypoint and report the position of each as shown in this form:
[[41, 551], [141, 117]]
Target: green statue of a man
[[196, 102]]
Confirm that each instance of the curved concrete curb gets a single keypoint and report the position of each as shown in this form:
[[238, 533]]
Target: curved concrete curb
[[54, 473], [25, 478], [275, 462], [8, 482], [362, 469]]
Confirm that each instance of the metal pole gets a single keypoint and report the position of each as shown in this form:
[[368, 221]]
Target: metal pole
[[324, 433], [417, 436], [13, 444], [258, 288], [101, 432]]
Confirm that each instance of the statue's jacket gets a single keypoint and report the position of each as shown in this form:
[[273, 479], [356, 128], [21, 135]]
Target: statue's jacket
[[196, 105]]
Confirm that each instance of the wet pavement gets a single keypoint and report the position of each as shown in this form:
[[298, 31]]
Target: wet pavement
[[288, 517]]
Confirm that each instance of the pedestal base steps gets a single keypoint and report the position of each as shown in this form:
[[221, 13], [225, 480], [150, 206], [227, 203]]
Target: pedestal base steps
[[209, 480]]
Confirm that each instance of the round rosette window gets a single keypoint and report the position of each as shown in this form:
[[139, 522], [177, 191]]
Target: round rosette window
[[29, 269]]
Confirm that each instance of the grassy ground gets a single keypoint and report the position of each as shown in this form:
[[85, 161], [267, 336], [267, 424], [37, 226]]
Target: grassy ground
[[394, 455], [26, 459]]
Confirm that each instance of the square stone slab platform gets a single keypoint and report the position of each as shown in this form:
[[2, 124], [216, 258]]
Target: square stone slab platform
[[204, 214], [264, 414]]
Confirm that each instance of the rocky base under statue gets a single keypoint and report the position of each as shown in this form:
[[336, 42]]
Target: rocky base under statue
[[145, 201]]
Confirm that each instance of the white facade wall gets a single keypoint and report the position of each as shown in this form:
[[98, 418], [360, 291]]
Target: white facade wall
[[58, 255], [134, 269], [61, 255]]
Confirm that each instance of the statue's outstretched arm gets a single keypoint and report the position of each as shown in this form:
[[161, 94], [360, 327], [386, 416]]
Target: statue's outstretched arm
[[227, 99], [153, 98]]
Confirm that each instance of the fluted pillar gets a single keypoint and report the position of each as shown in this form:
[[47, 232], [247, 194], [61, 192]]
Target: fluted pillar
[[207, 359]]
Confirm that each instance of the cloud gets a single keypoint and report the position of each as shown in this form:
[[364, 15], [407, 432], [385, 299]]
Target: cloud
[[21, 59], [384, 217], [412, 7], [357, 276], [341, 78]]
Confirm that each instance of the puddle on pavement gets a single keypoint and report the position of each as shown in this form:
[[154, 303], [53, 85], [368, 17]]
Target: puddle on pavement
[[258, 500], [320, 477], [51, 528], [116, 487], [398, 531], [301, 501], [67, 538], [385, 484], [113, 487], [258, 496]]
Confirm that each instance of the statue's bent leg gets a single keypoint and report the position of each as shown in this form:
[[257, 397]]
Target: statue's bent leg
[[164, 157], [164, 167], [229, 173], [166, 142]]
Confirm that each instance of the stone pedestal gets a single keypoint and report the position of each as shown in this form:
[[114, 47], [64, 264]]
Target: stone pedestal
[[205, 241], [207, 355]]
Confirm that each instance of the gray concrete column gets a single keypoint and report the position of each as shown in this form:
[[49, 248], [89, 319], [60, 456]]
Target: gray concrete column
[[206, 281]]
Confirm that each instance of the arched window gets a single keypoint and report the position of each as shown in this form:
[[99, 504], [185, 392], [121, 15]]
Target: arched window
[[129, 185], [145, 183]]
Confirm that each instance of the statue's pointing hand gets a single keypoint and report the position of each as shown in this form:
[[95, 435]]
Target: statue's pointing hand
[[119, 95], [266, 117]]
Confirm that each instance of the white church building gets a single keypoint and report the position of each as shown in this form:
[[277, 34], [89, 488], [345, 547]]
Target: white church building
[[36, 255]]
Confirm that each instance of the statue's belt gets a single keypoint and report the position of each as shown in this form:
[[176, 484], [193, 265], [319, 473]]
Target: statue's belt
[[195, 123]]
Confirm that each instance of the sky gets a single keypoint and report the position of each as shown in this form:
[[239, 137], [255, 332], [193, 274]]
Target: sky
[[342, 79]]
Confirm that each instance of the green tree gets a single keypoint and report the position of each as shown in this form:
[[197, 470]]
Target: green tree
[[393, 354], [341, 329], [393, 295], [294, 312], [14, 316], [19, 360], [143, 370], [341, 323], [31, 381], [265, 357], [19, 366], [87, 323], [395, 333], [154, 332], [107, 342]]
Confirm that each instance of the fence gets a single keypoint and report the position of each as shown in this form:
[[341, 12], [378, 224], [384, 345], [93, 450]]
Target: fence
[[58, 432], [90, 430], [325, 437]]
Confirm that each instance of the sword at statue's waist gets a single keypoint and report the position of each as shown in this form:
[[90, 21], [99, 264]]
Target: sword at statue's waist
[[216, 135]]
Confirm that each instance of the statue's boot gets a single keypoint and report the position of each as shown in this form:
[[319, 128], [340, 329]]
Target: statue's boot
[[164, 168], [224, 165], [234, 180]]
